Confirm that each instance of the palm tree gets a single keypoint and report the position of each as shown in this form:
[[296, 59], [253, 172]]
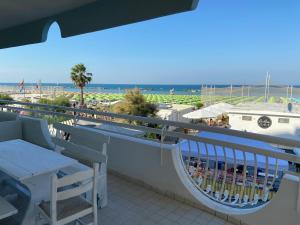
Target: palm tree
[[80, 78]]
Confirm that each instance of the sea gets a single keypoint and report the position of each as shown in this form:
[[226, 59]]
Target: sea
[[120, 88], [186, 89]]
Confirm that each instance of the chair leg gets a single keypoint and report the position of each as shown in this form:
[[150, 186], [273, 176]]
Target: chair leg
[[95, 216], [95, 219]]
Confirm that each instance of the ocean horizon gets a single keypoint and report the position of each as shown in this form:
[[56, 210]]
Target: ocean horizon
[[180, 89]]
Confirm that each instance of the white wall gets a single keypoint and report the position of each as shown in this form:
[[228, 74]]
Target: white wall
[[290, 130]]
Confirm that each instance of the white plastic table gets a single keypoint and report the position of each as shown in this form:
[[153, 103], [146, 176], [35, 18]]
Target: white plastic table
[[32, 166]]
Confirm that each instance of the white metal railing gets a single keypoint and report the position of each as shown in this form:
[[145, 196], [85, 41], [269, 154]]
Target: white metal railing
[[233, 174]]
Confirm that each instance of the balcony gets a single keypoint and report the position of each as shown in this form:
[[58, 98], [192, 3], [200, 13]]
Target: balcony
[[131, 203], [220, 176]]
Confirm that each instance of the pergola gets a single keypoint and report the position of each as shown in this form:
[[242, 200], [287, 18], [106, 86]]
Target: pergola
[[27, 21]]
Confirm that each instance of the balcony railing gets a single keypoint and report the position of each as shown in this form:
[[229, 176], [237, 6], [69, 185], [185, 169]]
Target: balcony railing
[[230, 173]]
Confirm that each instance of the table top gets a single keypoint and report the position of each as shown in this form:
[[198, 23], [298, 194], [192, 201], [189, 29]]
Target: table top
[[23, 160], [6, 209]]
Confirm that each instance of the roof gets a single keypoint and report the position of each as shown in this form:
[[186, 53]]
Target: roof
[[172, 107], [209, 112], [266, 108], [26, 22], [165, 111], [180, 107], [200, 114]]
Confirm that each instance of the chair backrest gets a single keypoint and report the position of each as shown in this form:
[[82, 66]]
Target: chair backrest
[[7, 116], [10, 130], [82, 143], [71, 186], [36, 131]]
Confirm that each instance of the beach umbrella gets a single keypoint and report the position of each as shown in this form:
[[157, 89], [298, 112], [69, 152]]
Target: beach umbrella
[[27, 22]]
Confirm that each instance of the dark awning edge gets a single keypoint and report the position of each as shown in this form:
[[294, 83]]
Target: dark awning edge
[[95, 16]]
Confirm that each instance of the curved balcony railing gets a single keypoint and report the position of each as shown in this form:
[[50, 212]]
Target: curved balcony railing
[[236, 175], [237, 169]]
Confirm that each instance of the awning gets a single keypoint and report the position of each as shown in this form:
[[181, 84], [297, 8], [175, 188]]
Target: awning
[[221, 107], [211, 111], [200, 114], [27, 22]]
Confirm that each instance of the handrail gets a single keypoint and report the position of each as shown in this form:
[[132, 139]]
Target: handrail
[[261, 137], [244, 148]]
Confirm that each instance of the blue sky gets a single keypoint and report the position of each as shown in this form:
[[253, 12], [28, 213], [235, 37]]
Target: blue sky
[[222, 42]]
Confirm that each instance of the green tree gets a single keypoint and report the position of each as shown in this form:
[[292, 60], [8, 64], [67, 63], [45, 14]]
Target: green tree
[[135, 104], [80, 78]]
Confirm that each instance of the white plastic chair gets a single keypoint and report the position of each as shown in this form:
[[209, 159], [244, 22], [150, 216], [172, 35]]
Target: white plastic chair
[[67, 203]]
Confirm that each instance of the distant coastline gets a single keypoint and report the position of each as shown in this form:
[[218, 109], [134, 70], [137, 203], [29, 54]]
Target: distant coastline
[[185, 89]]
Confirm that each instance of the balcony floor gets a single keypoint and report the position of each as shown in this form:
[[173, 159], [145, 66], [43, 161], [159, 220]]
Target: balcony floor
[[130, 204]]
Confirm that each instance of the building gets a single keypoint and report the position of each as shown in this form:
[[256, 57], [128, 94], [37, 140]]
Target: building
[[269, 119], [174, 112]]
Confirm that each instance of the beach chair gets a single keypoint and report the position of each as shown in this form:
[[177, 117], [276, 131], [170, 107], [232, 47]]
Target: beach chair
[[67, 203]]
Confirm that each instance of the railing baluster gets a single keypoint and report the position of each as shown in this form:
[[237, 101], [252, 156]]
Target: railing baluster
[[254, 179], [214, 188], [206, 167], [224, 172], [189, 156], [199, 164], [265, 188], [242, 192], [232, 188], [275, 172]]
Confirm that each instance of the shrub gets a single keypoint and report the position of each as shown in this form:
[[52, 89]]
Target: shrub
[[199, 105], [5, 97], [135, 104]]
